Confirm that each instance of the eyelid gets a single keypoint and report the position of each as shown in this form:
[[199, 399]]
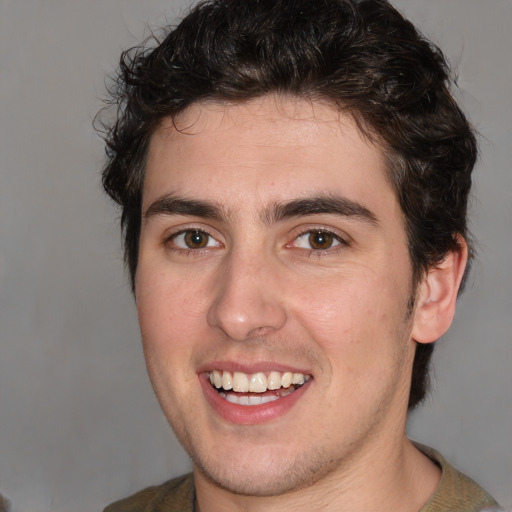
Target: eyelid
[[341, 237], [176, 231], [335, 241], [182, 236]]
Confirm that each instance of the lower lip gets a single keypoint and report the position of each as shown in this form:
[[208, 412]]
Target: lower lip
[[250, 414]]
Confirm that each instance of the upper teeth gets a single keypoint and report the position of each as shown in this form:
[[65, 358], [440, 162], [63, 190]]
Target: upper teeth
[[256, 382]]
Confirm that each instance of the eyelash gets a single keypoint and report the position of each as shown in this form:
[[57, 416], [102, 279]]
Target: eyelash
[[337, 242], [170, 241]]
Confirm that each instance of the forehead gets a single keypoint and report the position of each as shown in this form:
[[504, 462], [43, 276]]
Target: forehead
[[268, 148]]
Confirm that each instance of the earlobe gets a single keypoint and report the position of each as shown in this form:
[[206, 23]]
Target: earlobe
[[437, 295]]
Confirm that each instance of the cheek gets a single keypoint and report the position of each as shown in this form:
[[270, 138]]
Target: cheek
[[358, 321], [168, 307], [362, 334], [164, 330]]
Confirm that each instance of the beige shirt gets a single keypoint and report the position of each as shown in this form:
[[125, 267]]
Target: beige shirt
[[456, 492]]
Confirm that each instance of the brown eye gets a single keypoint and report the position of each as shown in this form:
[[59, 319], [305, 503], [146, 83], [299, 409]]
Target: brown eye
[[320, 240], [195, 239]]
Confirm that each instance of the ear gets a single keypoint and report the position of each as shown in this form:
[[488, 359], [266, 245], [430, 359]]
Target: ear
[[437, 295]]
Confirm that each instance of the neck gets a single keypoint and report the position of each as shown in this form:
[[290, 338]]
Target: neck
[[398, 479]]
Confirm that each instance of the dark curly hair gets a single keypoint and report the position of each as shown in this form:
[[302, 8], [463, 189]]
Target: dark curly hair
[[362, 56]]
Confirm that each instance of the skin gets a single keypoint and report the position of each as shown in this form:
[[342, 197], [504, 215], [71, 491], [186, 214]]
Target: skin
[[259, 295]]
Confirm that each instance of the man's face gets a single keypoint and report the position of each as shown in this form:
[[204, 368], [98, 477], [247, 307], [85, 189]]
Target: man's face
[[273, 249]]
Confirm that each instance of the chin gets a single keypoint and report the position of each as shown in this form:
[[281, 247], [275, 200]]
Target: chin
[[265, 475]]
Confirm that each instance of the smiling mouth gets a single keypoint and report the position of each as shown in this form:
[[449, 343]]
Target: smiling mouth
[[257, 388]]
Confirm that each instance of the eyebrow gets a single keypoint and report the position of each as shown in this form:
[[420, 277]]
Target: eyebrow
[[328, 204], [173, 205]]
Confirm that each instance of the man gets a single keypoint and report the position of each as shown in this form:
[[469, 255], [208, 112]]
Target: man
[[293, 177]]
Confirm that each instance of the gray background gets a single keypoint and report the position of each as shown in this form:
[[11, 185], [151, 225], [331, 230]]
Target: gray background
[[79, 426]]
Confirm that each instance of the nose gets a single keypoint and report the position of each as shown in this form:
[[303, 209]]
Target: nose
[[248, 300]]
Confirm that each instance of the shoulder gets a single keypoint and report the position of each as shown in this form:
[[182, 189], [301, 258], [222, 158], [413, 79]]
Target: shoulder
[[456, 492], [176, 495]]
